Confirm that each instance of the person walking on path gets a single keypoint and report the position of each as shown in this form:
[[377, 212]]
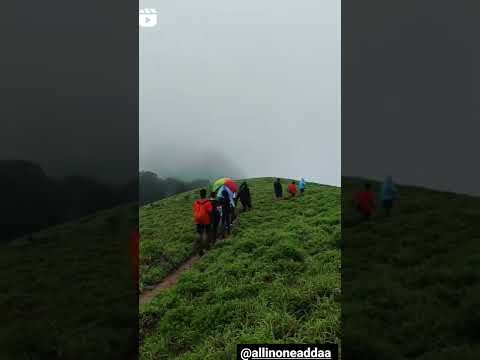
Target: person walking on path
[[388, 195], [365, 202], [216, 217], [245, 198], [277, 187], [235, 199], [301, 186], [202, 210], [227, 210], [292, 189]]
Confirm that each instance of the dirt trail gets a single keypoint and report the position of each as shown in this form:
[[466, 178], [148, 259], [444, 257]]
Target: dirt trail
[[169, 281]]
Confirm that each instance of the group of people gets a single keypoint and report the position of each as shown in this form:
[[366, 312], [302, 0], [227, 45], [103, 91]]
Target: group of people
[[214, 215], [365, 200], [291, 188]]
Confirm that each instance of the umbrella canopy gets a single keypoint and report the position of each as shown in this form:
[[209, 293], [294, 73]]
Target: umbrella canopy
[[227, 182]]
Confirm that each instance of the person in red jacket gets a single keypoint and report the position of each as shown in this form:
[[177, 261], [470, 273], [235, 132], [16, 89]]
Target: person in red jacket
[[202, 211], [365, 202], [292, 189], [135, 248]]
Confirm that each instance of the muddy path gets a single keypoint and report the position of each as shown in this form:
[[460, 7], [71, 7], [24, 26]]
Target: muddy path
[[171, 279]]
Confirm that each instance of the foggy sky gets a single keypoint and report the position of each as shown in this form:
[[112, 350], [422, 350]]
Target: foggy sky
[[410, 92], [253, 86], [69, 88]]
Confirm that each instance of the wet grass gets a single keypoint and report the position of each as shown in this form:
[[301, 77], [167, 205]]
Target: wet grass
[[410, 282], [277, 280], [68, 293]]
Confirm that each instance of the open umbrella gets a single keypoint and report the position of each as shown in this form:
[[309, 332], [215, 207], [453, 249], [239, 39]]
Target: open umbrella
[[227, 182]]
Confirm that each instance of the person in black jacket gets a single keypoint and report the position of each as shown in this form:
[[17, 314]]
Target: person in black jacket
[[245, 198], [277, 186], [216, 217], [227, 210]]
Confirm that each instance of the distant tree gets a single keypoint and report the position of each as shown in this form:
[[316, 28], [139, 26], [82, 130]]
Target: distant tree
[[28, 201], [83, 196], [174, 186], [32, 201], [199, 183], [153, 188], [130, 192]]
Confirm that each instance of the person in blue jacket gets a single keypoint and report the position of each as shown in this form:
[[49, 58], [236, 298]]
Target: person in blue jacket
[[388, 195], [301, 186]]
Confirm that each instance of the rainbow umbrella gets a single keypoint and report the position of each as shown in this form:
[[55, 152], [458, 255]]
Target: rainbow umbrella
[[227, 182]]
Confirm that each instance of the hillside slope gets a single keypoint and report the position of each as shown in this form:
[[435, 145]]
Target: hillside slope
[[167, 236], [65, 293], [277, 279], [410, 283]]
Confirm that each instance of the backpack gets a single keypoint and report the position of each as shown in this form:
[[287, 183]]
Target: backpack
[[201, 213]]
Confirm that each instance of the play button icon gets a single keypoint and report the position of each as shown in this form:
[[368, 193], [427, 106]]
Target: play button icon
[[147, 17]]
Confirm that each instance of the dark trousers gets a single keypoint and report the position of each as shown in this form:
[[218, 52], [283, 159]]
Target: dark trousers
[[387, 205], [246, 204], [202, 242], [226, 222]]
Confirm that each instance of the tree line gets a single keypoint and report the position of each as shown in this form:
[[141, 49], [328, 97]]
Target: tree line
[[32, 200], [153, 187]]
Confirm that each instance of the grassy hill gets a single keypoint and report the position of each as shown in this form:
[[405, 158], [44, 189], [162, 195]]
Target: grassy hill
[[64, 293], [277, 279], [410, 283]]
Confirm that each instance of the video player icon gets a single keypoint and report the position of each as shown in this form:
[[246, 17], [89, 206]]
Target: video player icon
[[147, 17]]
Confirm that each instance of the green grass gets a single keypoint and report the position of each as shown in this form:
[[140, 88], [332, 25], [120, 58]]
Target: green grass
[[66, 295], [167, 233], [411, 282], [277, 280]]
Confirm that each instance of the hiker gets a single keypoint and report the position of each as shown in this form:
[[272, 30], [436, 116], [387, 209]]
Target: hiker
[[301, 186], [388, 195], [202, 209], [245, 198], [234, 205], [365, 202], [292, 188], [216, 217], [277, 187], [227, 210]]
